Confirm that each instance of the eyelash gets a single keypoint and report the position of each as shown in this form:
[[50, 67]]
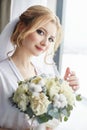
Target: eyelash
[[39, 31], [51, 40]]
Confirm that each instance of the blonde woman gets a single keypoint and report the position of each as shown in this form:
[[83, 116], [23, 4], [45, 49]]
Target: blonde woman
[[31, 35]]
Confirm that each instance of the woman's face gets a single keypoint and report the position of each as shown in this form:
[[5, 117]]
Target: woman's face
[[39, 41]]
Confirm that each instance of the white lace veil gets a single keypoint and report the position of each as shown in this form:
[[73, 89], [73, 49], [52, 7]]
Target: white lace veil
[[5, 43]]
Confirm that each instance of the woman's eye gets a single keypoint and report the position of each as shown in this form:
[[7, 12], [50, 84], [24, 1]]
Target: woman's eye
[[51, 40], [40, 32]]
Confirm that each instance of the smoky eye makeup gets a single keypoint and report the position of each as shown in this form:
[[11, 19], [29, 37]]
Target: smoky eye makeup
[[40, 32]]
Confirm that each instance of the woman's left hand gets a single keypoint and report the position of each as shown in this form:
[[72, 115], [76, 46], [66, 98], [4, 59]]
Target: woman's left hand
[[70, 77]]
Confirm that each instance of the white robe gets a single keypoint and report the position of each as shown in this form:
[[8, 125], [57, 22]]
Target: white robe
[[10, 116]]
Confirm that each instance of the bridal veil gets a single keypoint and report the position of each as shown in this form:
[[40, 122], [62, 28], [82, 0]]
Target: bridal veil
[[5, 43]]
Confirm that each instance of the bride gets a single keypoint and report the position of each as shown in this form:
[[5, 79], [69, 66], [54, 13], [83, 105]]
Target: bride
[[32, 34]]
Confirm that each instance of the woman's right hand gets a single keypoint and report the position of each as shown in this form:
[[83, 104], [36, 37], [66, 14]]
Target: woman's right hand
[[48, 128], [72, 79]]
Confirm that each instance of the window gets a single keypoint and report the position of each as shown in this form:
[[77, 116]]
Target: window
[[74, 56], [75, 40]]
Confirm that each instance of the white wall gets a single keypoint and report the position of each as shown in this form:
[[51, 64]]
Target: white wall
[[75, 38], [52, 5]]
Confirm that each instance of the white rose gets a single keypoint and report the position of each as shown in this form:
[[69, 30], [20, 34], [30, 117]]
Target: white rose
[[40, 104]]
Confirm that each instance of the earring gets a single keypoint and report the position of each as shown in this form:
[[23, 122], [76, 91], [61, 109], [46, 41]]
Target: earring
[[48, 58]]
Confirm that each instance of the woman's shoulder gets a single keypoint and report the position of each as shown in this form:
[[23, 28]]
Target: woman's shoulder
[[3, 64], [3, 61]]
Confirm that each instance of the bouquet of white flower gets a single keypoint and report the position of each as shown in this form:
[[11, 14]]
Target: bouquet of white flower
[[44, 97]]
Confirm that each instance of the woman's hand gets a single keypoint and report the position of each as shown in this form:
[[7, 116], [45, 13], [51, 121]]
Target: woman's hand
[[70, 77], [48, 128]]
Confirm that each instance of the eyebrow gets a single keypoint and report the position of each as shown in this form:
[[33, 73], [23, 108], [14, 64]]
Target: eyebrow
[[47, 32]]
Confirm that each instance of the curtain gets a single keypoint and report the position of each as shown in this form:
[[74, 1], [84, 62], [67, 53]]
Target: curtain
[[59, 12], [4, 13], [18, 6]]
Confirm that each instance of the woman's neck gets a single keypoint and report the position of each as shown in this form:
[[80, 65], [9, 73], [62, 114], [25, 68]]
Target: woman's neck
[[24, 64], [21, 58]]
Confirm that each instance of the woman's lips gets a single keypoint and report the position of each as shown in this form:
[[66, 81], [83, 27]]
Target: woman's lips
[[39, 48]]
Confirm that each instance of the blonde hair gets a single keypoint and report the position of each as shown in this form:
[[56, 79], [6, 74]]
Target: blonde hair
[[33, 18]]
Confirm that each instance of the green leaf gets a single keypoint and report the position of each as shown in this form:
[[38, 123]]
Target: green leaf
[[29, 112], [50, 106], [78, 97], [65, 112], [54, 113], [69, 108], [65, 118], [43, 118], [19, 83]]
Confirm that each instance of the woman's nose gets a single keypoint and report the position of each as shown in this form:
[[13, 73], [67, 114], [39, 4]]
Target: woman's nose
[[44, 42]]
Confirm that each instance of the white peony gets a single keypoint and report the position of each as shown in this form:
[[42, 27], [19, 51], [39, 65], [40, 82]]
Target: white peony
[[68, 93]]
